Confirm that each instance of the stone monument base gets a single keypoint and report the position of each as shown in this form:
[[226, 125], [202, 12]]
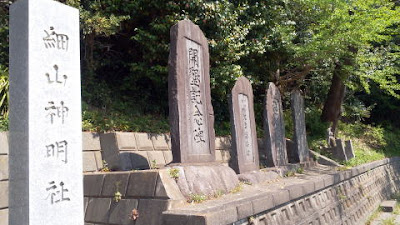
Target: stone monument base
[[204, 179]]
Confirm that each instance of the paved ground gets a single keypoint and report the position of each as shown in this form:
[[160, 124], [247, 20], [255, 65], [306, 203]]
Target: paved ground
[[386, 218]]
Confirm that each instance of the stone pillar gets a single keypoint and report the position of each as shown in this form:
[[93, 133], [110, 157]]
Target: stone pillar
[[46, 184], [274, 128], [301, 151]]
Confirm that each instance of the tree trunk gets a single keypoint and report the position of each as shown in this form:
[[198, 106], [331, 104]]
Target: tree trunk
[[332, 107]]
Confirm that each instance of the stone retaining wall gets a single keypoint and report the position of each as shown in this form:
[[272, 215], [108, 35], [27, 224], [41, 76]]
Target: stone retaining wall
[[3, 178]]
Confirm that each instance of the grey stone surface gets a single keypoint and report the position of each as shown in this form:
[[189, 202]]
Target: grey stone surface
[[349, 149], [160, 141], [98, 210], [274, 128], [255, 177], [93, 184], [4, 194], [244, 157], [150, 211], [144, 141], [120, 211], [339, 151], [167, 156], [90, 141], [3, 167], [89, 162], [3, 216], [126, 141], [139, 159], [190, 111], [200, 179], [114, 182], [45, 114], [166, 186], [3, 143], [323, 159], [156, 157], [263, 203], [299, 134], [142, 184], [223, 143]]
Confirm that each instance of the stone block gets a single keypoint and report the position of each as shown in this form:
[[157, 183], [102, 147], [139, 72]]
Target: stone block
[[223, 143], [280, 196], [3, 216], [160, 141], [89, 162], [166, 186], [139, 159], [349, 149], [226, 216], [318, 184], [4, 143], [156, 157], [99, 160], [174, 219], [388, 206], [126, 141], [90, 141], [150, 211], [244, 210], [98, 210], [120, 212], [308, 187], [144, 142], [168, 157], [262, 203], [3, 167], [218, 156], [114, 182], [4, 194], [93, 184], [226, 155], [110, 150], [295, 191], [142, 184]]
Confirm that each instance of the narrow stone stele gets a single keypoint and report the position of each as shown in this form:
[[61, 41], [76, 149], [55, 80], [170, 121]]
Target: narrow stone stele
[[274, 128], [46, 183], [190, 111], [244, 157], [301, 151], [349, 149]]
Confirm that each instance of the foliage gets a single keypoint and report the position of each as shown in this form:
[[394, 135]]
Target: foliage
[[174, 173], [197, 198], [4, 96]]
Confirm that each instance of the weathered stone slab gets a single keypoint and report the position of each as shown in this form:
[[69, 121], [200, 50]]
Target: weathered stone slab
[[190, 111], [339, 151], [45, 114], [349, 149], [115, 182], [160, 141], [206, 180], [243, 128], [126, 141], [111, 144], [3, 143], [93, 184], [142, 184], [274, 128], [152, 210], [299, 134]]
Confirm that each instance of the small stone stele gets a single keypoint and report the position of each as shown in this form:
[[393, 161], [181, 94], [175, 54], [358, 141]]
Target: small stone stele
[[301, 152], [244, 156], [349, 149], [191, 114], [274, 128]]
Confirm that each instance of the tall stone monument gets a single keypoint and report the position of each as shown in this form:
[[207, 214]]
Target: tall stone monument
[[274, 128], [244, 156], [301, 151], [46, 185], [190, 111]]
